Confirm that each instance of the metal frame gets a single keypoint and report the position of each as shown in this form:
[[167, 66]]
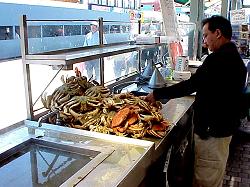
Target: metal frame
[[66, 58]]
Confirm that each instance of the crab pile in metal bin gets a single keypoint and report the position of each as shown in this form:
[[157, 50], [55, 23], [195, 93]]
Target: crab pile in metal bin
[[84, 104]]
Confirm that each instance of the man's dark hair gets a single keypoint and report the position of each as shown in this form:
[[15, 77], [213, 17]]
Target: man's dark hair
[[221, 23]]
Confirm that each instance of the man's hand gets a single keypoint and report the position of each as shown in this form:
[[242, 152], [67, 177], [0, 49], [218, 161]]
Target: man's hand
[[150, 98]]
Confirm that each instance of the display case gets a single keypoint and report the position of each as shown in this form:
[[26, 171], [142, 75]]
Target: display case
[[66, 58], [130, 159]]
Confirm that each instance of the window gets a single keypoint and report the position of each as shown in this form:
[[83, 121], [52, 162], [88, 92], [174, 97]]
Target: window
[[104, 2], [6, 33], [246, 3], [85, 29], [124, 29], [137, 4], [115, 29], [125, 4], [118, 3], [105, 29], [71, 30], [34, 31], [17, 32], [93, 1], [132, 4], [52, 30], [111, 2]]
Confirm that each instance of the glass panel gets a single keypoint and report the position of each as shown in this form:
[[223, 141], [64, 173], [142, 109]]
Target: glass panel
[[52, 30], [85, 29], [90, 69], [115, 29], [6, 33], [121, 65], [34, 31], [106, 29], [71, 30], [187, 33], [148, 55]]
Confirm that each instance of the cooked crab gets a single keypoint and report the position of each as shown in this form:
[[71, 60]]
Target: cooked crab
[[80, 104], [120, 116], [159, 130], [97, 91]]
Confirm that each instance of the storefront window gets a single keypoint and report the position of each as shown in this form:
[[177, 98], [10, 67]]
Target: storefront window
[[104, 2], [132, 4], [93, 2], [6, 32], [119, 3], [137, 4], [125, 3], [111, 2]]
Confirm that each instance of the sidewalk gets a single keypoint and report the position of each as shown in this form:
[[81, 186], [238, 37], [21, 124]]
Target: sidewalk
[[238, 166]]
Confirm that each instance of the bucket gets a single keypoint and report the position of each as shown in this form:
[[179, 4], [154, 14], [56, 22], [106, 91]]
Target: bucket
[[181, 63]]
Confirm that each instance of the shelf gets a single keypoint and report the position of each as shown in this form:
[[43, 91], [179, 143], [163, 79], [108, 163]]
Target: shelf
[[72, 56]]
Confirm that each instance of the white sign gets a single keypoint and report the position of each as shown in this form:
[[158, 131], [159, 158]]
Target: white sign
[[238, 16], [169, 18]]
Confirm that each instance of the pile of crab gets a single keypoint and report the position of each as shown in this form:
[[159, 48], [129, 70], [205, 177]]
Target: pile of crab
[[85, 105]]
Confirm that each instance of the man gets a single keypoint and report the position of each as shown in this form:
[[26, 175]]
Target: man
[[219, 84], [92, 38]]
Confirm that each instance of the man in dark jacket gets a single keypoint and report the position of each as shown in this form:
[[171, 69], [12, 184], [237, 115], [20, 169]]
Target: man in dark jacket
[[219, 83]]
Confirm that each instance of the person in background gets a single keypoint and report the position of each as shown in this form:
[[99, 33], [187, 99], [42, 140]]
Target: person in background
[[119, 65], [92, 38], [219, 85]]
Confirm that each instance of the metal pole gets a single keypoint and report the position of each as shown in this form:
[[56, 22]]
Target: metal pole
[[233, 4], [197, 12], [224, 8], [139, 52], [26, 68], [101, 37]]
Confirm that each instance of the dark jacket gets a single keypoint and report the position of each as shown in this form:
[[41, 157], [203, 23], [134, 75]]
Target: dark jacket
[[219, 85]]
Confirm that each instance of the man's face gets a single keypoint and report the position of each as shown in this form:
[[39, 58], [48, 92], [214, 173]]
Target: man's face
[[210, 39], [93, 28]]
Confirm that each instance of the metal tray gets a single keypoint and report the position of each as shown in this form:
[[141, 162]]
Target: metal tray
[[38, 162]]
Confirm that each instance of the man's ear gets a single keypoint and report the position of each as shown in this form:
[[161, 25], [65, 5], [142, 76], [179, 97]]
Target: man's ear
[[218, 33]]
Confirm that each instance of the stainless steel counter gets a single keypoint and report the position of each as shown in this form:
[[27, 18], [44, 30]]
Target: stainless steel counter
[[125, 166]]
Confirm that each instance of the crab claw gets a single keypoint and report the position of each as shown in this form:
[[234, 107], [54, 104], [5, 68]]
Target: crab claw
[[77, 72]]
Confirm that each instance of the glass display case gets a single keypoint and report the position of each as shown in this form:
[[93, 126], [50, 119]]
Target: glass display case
[[121, 57]]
